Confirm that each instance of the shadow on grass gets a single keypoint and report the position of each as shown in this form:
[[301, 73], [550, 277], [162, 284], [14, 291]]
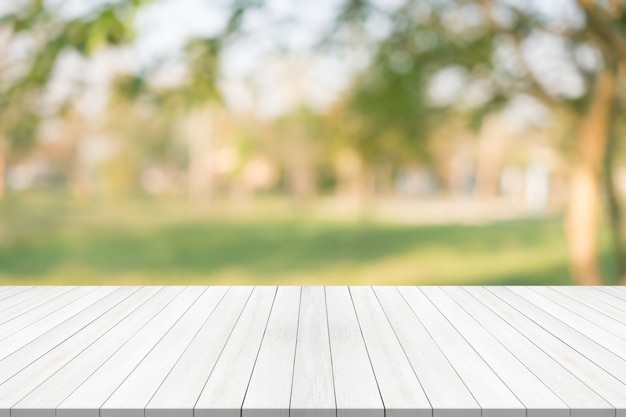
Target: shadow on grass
[[271, 248]]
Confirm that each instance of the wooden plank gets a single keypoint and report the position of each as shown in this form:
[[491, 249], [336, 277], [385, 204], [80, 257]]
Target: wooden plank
[[493, 396], [43, 305], [43, 400], [594, 343], [313, 393], [12, 302], [605, 294], [33, 350], [312, 351], [79, 300], [401, 392], [223, 394], [590, 316], [269, 392], [8, 292], [536, 397], [608, 297], [615, 291], [507, 304], [573, 392], [180, 390], [48, 365], [446, 391], [41, 297], [132, 396], [86, 400], [598, 300], [356, 389]]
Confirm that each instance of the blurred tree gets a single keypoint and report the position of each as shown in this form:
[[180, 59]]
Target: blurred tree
[[143, 131], [606, 22], [45, 34], [297, 143], [390, 114], [196, 101], [591, 117], [427, 37]]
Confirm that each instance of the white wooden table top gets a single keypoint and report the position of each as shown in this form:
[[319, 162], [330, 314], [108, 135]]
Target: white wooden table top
[[312, 351]]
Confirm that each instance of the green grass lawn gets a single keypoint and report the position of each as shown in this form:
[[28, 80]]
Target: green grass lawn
[[57, 242]]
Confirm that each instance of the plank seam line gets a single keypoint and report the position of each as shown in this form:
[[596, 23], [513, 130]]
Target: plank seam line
[[585, 302], [62, 341], [116, 350], [44, 301], [42, 382], [295, 350], [187, 347], [440, 349], [543, 350], [269, 314], [504, 346], [356, 313], [222, 350], [157, 342], [593, 323], [477, 353], [601, 346], [120, 347], [614, 295], [596, 302], [6, 297], [402, 347], [151, 349], [50, 376], [598, 296], [330, 351]]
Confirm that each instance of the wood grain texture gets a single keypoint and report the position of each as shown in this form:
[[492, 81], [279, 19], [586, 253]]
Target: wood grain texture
[[132, 396], [516, 335], [401, 391], [313, 392], [181, 388], [446, 391], [100, 384], [269, 391], [312, 351], [17, 334], [223, 394], [356, 388], [536, 397], [580, 366], [491, 393]]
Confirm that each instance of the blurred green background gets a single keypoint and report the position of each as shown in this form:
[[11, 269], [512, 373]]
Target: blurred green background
[[332, 142], [47, 241]]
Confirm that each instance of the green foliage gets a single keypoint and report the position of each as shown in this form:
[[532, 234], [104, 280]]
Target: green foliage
[[30, 15], [21, 132], [388, 105], [109, 25], [203, 61], [128, 88]]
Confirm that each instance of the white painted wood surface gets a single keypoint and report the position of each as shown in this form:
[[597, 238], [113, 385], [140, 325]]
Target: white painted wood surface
[[313, 391], [312, 351], [269, 390]]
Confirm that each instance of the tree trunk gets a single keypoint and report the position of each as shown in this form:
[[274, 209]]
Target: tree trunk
[[199, 130], [584, 204], [3, 167], [614, 212], [613, 204], [489, 160]]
